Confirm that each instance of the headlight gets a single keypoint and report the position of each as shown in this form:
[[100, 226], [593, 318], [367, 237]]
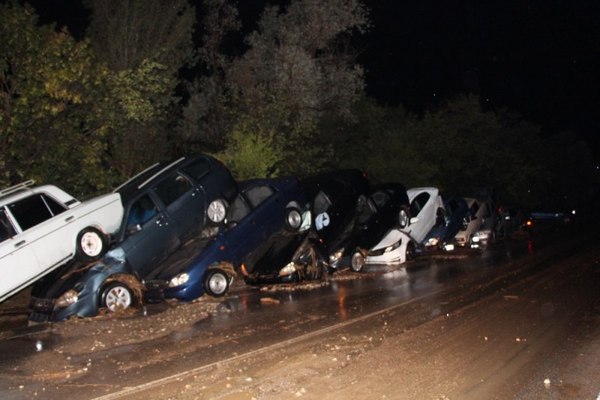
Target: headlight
[[476, 239], [336, 256], [69, 297], [179, 279], [288, 269], [432, 242]]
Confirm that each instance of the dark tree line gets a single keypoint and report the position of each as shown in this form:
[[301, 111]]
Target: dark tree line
[[86, 114]]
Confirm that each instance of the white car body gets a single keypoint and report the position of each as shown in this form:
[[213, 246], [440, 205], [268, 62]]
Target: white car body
[[32, 244], [424, 204]]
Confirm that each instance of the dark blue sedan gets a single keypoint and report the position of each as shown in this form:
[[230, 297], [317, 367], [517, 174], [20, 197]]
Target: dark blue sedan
[[265, 214]]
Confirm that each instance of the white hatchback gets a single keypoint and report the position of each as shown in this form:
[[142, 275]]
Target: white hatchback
[[43, 227]]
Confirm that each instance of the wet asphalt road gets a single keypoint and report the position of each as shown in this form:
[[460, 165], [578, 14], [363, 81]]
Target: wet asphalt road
[[420, 290]]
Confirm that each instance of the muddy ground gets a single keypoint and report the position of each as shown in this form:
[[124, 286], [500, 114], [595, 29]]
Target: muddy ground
[[538, 338]]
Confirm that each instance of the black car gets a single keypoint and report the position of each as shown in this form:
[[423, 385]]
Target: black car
[[338, 199], [387, 208], [164, 206]]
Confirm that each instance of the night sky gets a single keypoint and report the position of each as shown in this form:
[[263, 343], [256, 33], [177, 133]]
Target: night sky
[[540, 58]]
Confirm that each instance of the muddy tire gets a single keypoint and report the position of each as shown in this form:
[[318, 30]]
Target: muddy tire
[[117, 297], [91, 244], [216, 282]]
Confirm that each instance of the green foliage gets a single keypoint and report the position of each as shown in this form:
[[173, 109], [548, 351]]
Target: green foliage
[[252, 152], [48, 85]]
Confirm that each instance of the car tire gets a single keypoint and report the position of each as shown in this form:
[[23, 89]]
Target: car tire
[[216, 282], [358, 261], [91, 244], [410, 251], [293, 218], [217, 211], [117, 296], [403, 218]]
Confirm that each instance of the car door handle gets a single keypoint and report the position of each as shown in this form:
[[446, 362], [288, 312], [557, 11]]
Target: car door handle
[[69, 219], [162, 221], [21, 243]]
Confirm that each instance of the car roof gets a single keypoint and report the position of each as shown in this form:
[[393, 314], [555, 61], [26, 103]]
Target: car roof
[[131, 188], [25, 189]]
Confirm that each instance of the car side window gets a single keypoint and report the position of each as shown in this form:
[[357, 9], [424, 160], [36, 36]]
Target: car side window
[[142, 211], [418, 203], [258, 194], [197, 170], [30, 211], [53, 205], [6, 229], [172, 188], [238, 210], [321, 203]]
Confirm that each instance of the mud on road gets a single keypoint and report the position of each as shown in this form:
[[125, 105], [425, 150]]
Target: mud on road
[[525, 335]]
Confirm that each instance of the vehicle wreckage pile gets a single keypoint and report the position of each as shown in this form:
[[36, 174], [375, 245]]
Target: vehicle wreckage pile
[[186, 227]]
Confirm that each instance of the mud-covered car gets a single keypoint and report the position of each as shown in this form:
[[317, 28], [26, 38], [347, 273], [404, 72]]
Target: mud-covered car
[[264, 222], [399, 245], [164, 206], [43, 227], [387, 208], [338, 198]]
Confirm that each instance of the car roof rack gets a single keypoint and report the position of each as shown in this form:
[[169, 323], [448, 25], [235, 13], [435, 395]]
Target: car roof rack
[[16, 188]]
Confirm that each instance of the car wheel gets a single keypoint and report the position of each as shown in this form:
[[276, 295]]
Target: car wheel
[[117, 297], [216, 282], [91, 244], [410, 251], [358, 261], [403, 218], [293, 218], [216, 211]]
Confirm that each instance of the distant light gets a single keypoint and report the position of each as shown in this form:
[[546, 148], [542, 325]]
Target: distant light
[[434, 94]]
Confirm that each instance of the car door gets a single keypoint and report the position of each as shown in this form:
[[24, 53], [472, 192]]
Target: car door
[[184, 203], [149, 237], [247, 234], [47, 228], [18, 264]]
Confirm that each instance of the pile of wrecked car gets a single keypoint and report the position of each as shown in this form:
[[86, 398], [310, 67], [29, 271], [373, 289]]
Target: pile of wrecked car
[[184, 228]]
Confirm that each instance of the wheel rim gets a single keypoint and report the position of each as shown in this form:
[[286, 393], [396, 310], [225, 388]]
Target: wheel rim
[[117, 298], [217, 283], [294, 219], [91, 244], [216, 211], [403, 218], [358, 262]]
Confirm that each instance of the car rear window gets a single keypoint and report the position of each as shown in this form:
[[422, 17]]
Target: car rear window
[[172, 188]]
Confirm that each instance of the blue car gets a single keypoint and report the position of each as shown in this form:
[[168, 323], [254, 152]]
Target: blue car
[[449, 221], [266, 218], [165, 206]]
